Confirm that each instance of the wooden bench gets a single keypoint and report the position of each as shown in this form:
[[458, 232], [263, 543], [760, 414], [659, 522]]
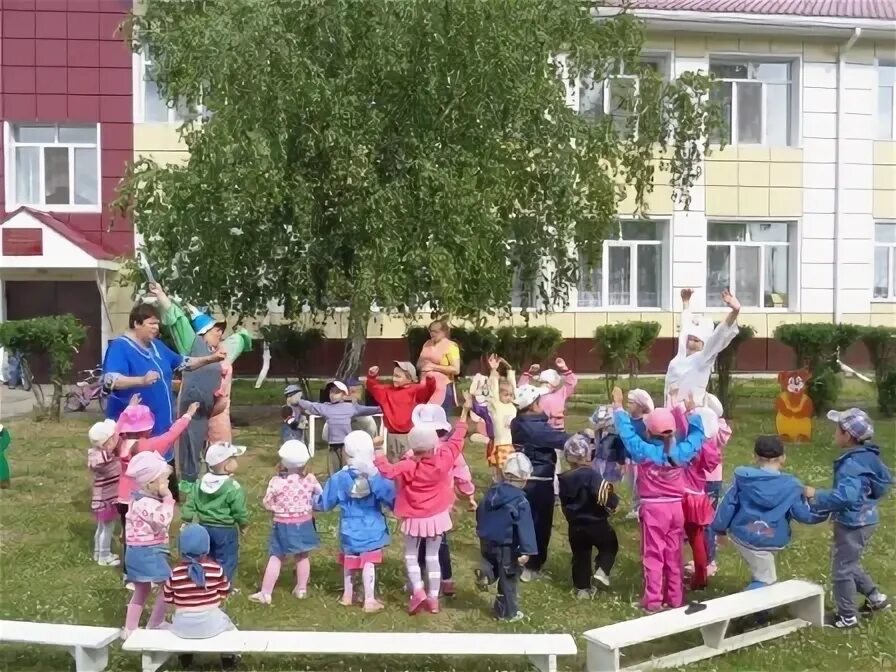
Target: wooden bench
[[805, 600], [156, 646], [88, 645]]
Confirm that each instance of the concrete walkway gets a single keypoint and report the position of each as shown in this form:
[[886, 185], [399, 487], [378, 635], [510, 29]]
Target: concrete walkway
[[16, 402]]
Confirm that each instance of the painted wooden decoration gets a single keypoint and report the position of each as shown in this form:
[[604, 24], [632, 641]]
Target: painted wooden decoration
[[794, 407]]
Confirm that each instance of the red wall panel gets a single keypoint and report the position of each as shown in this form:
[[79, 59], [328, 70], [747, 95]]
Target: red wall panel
[[51, 52], [18, 79], [83, 53], [50, 24], [18, 51], [82, 25], [52, 79], [18, 24], [51, 107], [83, 81], [83, 108]]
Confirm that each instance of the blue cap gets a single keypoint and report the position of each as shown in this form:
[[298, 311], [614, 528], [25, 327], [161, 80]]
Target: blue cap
[[202, 322]]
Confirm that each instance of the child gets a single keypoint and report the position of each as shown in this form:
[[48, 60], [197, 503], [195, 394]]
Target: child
[[146, 532], [501, 412], [423, 499], [398, 401], [698, 509], [433, 416], [756, 510], [559, 386], [5, 440], [660, 461], [358, 394], [338, 413], [699, 343], [218, 503], [294, 423], [360, 492], [608, 456], [134, 425], [860, 481], [105, 470], [506, 536], [291, 496], [714, 478], [479, 414], [587, 502], [533, 435], [640, 403]]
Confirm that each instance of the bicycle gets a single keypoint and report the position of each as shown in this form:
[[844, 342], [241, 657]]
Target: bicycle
[[85, 391]]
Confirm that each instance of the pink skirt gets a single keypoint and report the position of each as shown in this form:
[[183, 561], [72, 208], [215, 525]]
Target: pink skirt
[[358, 561], [433, 526], [106, 513], [697, 509]]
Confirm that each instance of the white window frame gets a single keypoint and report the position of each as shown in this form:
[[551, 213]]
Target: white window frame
[[140, 63], [10, 165], [793, 262], [796, 100], [891, 265], [664, 275], [892, 136]]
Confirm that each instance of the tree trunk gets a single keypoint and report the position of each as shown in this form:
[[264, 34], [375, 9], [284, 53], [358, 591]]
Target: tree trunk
[[356, 340]]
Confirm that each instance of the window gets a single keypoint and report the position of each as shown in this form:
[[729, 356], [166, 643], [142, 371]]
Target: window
[[522, 297], [54, 167], [885, 261], [613, 96], [756, 100], [886, 102], [630, 271], [752, 260], [154, 108]]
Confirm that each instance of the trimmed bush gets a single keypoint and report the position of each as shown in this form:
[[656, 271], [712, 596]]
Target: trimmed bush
[[296, 344], [881, 345], [624, 347], [521, 346]]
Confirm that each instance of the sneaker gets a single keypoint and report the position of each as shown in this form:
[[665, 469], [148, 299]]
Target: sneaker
[[416, 602], [432, 605], [601, 577], [518, 616], [125, 633], [109, 561], [712, 568], [841, 622], [130, 586], [346, 600], [632, 515], [373, 606], [689, 569], [584, 594], [261, 598], [481, 580], [527, 575], [653, 608], [447, 588], [880, 604], [299, 594]]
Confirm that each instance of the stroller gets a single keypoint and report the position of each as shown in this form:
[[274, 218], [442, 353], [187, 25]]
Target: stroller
[[609, 452]]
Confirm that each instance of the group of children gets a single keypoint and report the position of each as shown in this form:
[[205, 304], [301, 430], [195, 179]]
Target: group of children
[[673, 450]]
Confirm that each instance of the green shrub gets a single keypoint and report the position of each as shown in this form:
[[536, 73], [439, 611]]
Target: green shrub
[[296, 344], [881, 345], [624, 347], [416, 337], [817, 346], [725, 362], [474, 344], [58, 338], [521, 346], [645, 335]]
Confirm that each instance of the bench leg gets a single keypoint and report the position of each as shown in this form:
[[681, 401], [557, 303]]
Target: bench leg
[[153, 660], [601, 659], [90, 660], [544, 663], [714, 634], [810, 609]]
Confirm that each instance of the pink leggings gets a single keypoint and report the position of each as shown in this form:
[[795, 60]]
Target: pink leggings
[[662, 529], [138, 601]]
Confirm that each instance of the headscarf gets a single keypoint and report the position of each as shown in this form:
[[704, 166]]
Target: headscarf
[[194, 543]]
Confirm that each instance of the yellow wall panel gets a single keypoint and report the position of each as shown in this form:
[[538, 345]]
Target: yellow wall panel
[[885, 177], [753, 201], [667, 327], [882, 320], [157, 138], [753, 153], [721, 173], [861, 52], [752, 174], [818, 51], [883, 308], [586, 323], [789, 47], [862, 319], [729, 153], [785, 202], [884, 205], [885, 152], [659, 201], [774, 320], [164, 158], [565, 322], [885, 50], [690, 45], [658, 41], [823, 318], [756, 320], [786, 174], [786, 154], [721, 201], [755, 45], [721, 43]]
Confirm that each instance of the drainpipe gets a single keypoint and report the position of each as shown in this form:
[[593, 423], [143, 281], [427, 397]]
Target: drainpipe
[[838, 167]]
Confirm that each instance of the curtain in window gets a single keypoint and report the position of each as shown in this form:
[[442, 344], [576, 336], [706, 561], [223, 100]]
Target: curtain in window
[[28, 175]]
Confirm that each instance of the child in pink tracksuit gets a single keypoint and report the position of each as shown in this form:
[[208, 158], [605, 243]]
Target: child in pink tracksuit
[[424, 496], [697, 506], [661, 485]]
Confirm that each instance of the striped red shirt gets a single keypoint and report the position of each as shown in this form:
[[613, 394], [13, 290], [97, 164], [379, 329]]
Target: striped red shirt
[[180, 590]]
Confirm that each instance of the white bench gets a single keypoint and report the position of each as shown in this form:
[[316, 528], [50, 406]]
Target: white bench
[[88, 645], [806, 602], [542, 650]]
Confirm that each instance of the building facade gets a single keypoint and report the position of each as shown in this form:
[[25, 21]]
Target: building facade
[[797, 214]]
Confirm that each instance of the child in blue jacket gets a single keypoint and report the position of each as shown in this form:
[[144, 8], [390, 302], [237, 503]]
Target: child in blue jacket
[[860, 480], [756, 511]]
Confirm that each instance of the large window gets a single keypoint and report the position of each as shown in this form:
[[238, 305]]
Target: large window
[[614, 96], [54, 167], [630, 272], [885, 261], [523, 296], [153, 107], [886, 101], [756, 99], [752, 259]]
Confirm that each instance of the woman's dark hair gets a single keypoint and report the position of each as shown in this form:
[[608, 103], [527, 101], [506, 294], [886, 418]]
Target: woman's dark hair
[[140, 313], [442, 325]]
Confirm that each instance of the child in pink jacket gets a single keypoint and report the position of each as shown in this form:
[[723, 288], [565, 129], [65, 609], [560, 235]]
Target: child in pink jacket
[[424, 496]]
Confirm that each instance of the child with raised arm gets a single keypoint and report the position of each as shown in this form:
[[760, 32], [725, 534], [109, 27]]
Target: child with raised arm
[[699, 343], [861, 480], [661, 461], [640, 404], [424, 496], [501, 410], [360, 492], [398, 401]]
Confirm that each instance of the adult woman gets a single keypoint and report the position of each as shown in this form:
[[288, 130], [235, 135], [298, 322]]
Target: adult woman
[[137, 362], [440, 360]]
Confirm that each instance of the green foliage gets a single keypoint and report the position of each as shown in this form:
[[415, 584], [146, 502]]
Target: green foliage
[[58, 338], [521, 346], [624, 347], [817, 347], [416, 337], [474, 343], [881, 345], [356, 150], [645, 336], [725, 362], [296, 344]]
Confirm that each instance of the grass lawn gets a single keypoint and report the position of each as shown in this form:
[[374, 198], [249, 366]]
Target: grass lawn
[[46, 571]]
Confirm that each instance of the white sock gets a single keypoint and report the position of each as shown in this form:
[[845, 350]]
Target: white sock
[[412, 563], [106, 533]]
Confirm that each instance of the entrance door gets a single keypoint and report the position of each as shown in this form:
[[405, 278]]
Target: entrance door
[[25, 300]]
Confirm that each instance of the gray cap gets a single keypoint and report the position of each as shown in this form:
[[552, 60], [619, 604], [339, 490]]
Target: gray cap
[[291, 390]]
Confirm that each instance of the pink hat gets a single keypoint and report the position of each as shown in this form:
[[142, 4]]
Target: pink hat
[[660, 421], [135, 419], [146, 467]]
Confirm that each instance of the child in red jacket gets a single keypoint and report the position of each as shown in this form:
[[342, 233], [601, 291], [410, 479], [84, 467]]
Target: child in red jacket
[[398, 401]]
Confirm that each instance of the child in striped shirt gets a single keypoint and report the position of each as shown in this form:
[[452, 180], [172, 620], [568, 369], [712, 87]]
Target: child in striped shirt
[[105, 470]]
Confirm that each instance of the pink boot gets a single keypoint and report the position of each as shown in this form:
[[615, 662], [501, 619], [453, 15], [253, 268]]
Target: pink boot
[[432, 604], [417, 601]]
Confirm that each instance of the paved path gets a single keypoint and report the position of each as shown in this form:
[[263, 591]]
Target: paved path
[[15, 402]]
